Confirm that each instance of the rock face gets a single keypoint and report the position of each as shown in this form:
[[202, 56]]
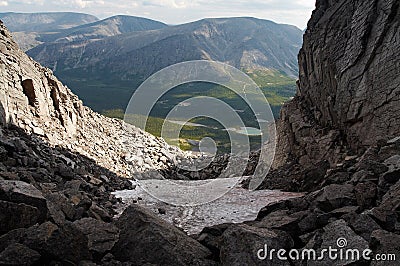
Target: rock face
[[349, 83]]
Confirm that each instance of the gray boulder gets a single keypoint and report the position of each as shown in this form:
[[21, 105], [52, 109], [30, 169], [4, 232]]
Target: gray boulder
[[385, 243], [246, 245], [17, 215], [18, 254], [21, 192], [145, 238], [101, 236]]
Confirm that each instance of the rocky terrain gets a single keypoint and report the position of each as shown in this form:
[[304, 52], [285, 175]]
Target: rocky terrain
[[59, 163], [339, 141]]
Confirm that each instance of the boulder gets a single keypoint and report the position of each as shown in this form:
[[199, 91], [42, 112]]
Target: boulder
[[362, 224], [335, 196], [145, 238], [101, 236], [211, 238], [17, 215], [386, 213], [246, 245], [385, 243], [366, 194], [64, 244], [18, 254], [337, 235], [21, 192], [60, 208], [281, 220]]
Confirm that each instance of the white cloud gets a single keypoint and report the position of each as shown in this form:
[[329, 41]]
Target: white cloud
[[296, 12], [169, 3]]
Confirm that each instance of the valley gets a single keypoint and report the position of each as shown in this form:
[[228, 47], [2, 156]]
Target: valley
[[104, 61]]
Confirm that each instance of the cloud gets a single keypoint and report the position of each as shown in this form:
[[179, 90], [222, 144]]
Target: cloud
[[169, 3], [296, 12]]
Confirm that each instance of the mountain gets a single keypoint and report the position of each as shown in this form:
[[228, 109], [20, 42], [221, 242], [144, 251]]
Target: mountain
[[241, 42], [45, 22], [32, 29], [28, 28], [105, 28], [96, 69], [351, 99]]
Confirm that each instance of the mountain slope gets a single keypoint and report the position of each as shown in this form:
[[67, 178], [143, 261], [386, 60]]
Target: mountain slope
[[105, 28], [44, 22], [242, 42], [33, 99], [31, 29]]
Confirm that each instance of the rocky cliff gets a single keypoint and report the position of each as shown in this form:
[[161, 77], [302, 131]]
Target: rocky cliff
[[349, 90], [339, 139]]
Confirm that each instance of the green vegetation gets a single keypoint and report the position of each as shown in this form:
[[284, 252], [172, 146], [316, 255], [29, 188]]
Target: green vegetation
[[108, 94]]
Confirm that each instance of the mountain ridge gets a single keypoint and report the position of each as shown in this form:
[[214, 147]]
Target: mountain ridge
[[200, 30]]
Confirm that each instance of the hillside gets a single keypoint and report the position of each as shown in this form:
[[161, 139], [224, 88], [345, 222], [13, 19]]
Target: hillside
[[104, 28], [29, 29], [44, 22]]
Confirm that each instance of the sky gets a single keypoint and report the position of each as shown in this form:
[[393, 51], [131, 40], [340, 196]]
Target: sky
[[294, 12]]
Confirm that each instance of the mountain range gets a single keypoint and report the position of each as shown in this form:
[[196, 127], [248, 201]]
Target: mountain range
[[103, 61]]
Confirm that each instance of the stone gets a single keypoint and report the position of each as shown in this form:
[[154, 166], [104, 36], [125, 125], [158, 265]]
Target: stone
[[366, 194], [362, 224], [241, 244], [211, 238], [18, 254], [338, 235], [145, 238], [21, 192], [60, 208], [281, 220], [64, 244], [335, 196], [344, 210], [17, 215], [101, 236], [364, 176], [384, 242], [393, 162], [3, 154]]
